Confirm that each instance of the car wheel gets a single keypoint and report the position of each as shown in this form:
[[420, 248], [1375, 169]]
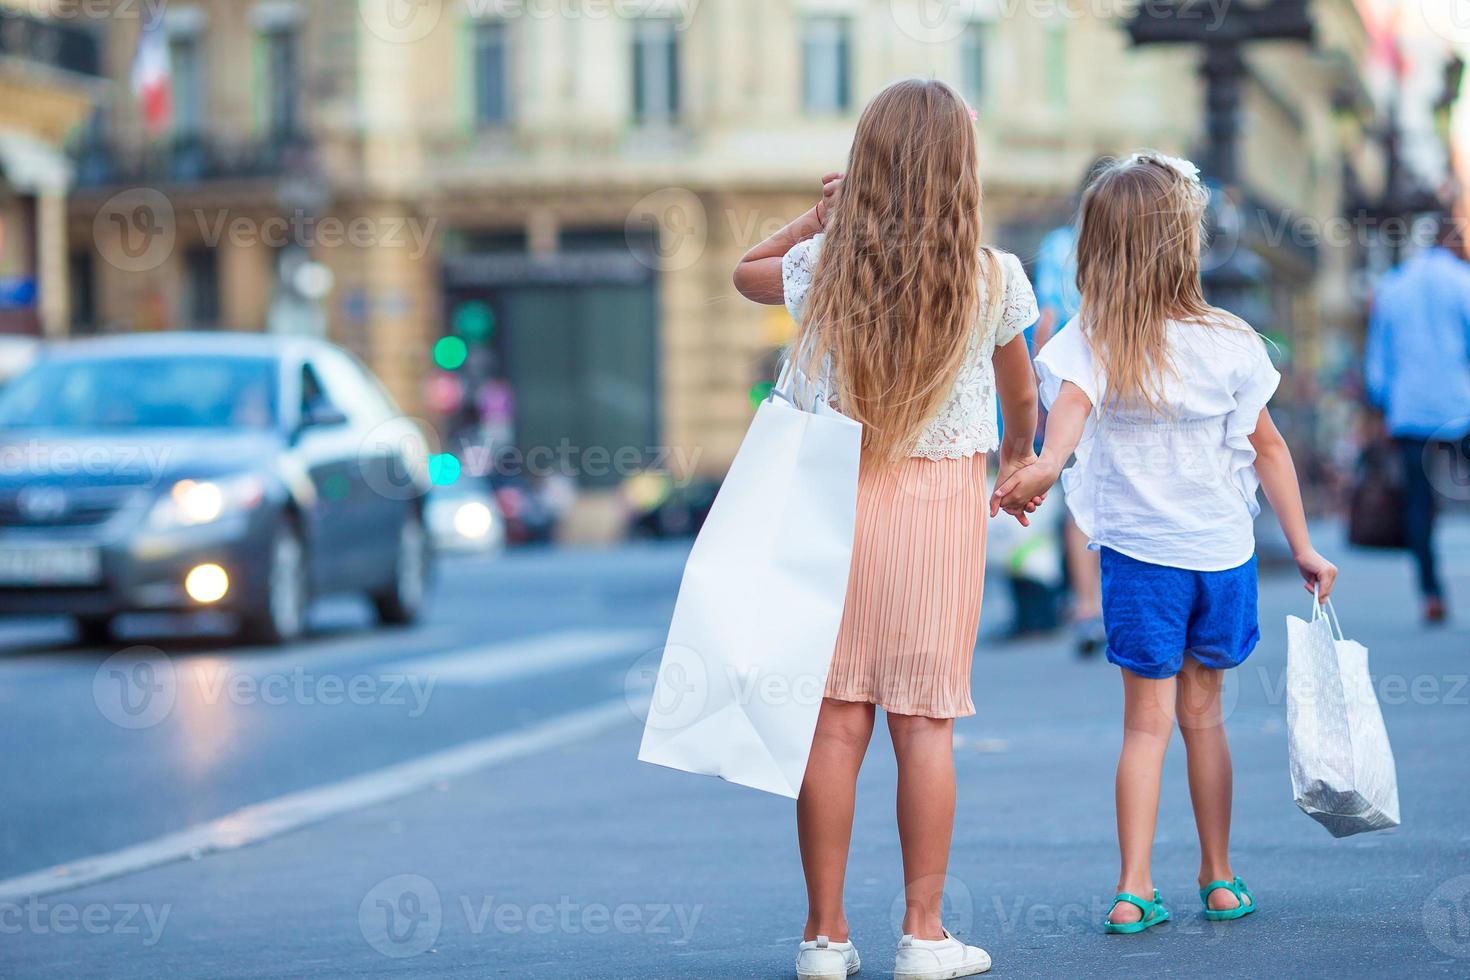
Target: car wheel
[[402, 602], [94, 631], [281, 618]]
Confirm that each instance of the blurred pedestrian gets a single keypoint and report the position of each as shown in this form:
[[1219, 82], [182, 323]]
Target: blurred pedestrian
[[1162, 399], [912, 325], [1059, 299], [1417, 373]]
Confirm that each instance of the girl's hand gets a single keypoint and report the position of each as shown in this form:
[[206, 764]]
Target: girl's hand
[[831, 195], [1024, 490], [1319, 573]]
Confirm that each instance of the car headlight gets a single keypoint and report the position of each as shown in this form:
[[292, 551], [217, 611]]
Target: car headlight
[[190, 503], [473, 520]]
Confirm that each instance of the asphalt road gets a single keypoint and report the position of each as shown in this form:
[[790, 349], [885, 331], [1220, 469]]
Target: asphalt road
[[530, 843]]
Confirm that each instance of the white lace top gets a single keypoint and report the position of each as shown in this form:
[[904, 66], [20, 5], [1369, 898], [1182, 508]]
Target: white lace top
[[966, 424]]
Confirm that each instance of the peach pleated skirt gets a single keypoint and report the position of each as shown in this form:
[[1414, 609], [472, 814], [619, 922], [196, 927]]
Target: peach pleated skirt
[[913, 598]]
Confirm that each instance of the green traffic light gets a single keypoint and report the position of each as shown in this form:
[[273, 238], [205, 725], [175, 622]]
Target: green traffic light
[[450, 353], [444, 469]]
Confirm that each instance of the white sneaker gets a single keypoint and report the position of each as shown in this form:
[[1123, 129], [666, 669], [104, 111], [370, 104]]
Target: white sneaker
[[938, 959], [822, 959]]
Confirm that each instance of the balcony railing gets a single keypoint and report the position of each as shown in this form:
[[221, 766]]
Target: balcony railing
[[68, 47], [102, 162]]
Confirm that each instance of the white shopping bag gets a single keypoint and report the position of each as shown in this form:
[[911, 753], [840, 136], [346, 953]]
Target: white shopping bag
[[755, 625], [1342, 771]]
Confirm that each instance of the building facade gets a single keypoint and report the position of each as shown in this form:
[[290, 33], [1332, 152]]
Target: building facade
[[566, 186], [48, 80]]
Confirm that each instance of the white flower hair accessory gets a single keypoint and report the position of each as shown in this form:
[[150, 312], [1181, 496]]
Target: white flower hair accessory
[[1179, 165]]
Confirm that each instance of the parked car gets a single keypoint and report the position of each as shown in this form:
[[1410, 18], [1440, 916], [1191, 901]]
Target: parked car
[[182, 471]]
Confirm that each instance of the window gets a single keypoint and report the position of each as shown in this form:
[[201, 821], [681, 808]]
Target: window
[[282, 82], [655, 71], [973, 44], [1055, 66], [492, 73], [185, 53], [199, 306], [81, 276], [826, 66]]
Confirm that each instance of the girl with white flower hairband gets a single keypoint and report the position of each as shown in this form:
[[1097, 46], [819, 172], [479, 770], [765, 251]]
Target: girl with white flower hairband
[[1162, 399]]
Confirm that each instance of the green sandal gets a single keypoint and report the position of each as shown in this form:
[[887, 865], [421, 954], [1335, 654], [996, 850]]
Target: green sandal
[[1246, 902], [1154, 914]]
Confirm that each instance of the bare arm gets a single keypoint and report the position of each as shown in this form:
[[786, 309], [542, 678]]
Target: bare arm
[[758, 274], [1278, 478], [1015, 382], [1065, 423]]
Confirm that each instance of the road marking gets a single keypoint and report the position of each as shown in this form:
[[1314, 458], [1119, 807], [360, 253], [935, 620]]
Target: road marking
[[497, 662], [293, 811]]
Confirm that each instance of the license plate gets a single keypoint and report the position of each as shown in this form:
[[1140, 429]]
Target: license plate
[[66, 565]]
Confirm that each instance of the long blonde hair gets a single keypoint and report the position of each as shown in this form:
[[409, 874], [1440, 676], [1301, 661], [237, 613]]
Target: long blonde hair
[[897, 288], [1138, 267]]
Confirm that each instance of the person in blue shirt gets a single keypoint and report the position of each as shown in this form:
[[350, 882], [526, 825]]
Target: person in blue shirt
[[1059, 299], [1417, 372]]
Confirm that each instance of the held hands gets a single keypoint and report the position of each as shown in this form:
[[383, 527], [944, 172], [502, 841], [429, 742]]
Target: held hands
[[1319, 573], [1021, 486]]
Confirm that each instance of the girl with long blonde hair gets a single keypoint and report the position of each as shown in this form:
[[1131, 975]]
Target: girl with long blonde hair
[[1162, 399], [912, 326]]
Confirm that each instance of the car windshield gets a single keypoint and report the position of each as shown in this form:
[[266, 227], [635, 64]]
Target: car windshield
[[177, 392]]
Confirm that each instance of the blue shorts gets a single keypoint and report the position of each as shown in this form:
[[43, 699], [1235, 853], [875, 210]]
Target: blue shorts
[[1155, 615]]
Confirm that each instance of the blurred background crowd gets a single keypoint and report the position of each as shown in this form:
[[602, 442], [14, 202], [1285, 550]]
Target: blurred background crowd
[[521, 215]]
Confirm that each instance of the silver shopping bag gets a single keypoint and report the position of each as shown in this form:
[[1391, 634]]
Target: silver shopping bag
[[1342, 772], [755, 625]]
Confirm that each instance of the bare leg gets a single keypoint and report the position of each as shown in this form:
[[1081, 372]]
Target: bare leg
[[1083, 573], [924, 748], [1148, 721], [824, 812], [1210, 777]]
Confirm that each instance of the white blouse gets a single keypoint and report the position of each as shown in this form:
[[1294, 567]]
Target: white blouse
[[1177, 491], [966, 424]]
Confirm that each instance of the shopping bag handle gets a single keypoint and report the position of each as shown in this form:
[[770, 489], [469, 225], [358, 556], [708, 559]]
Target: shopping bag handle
[[1331, 614]]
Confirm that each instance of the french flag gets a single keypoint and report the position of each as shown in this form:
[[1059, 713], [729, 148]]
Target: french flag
[[153, 75]]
